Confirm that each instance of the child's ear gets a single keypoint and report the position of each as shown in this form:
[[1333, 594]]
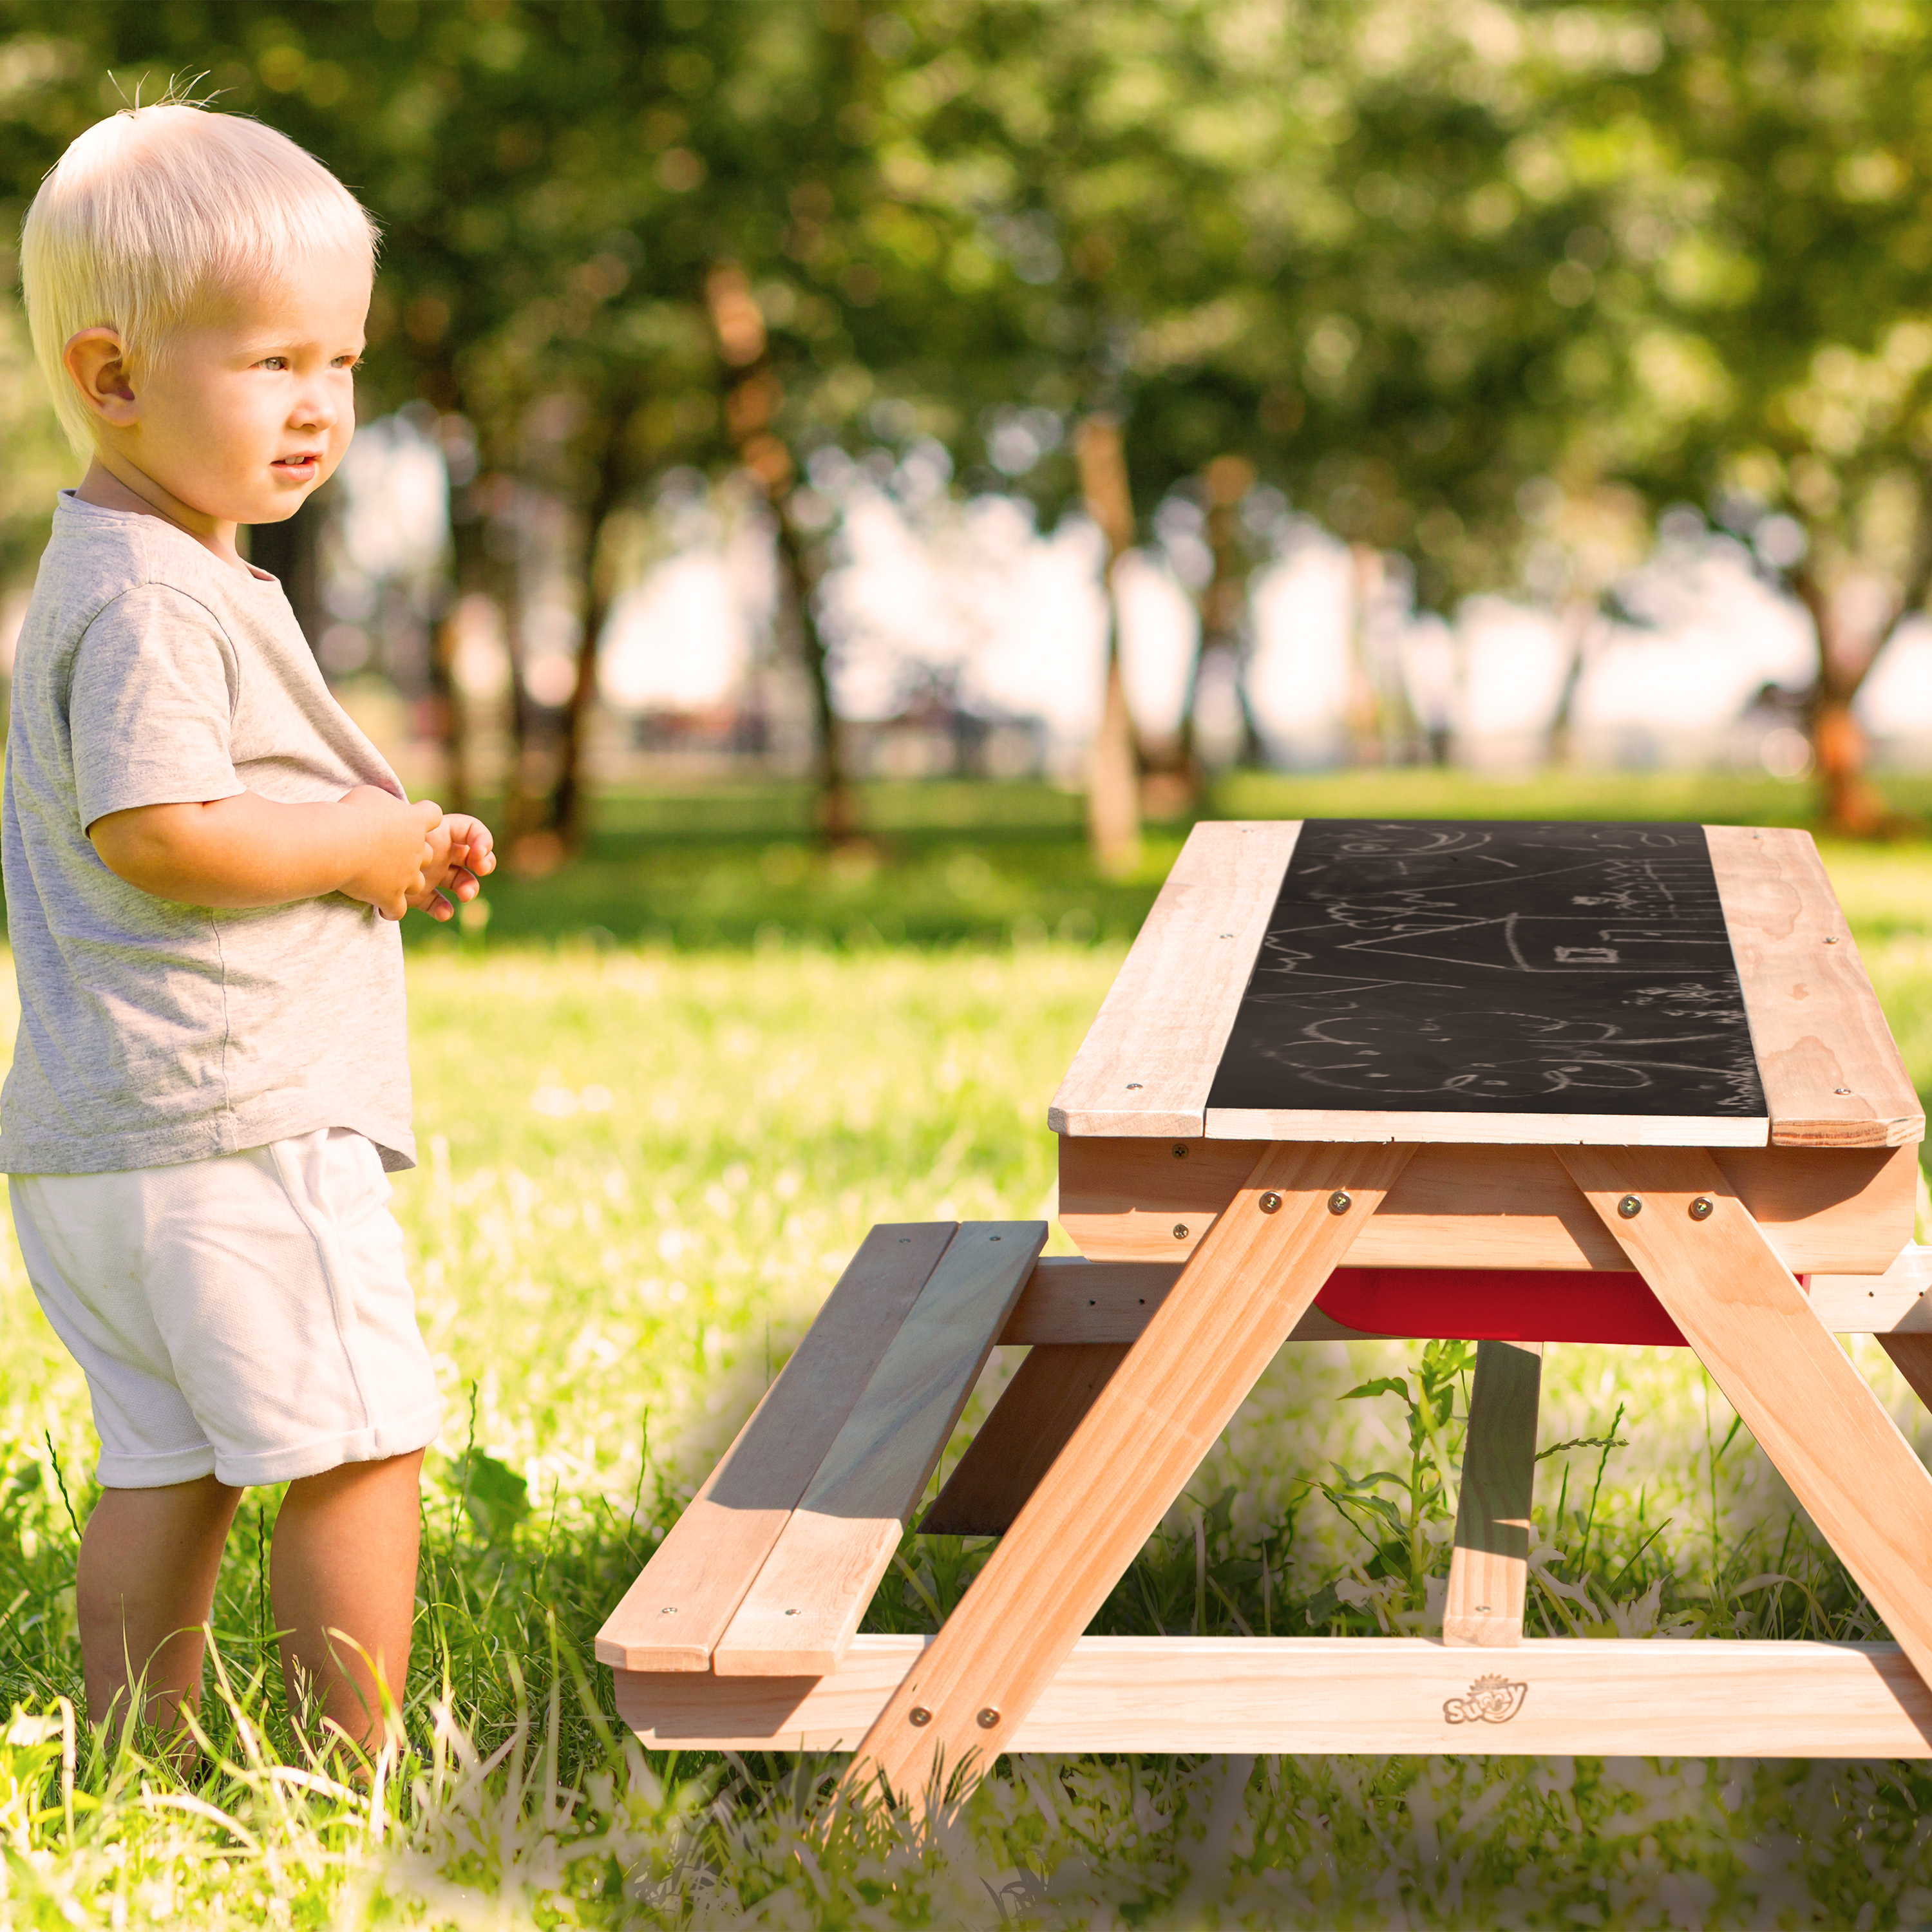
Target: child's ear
[[95, 360]]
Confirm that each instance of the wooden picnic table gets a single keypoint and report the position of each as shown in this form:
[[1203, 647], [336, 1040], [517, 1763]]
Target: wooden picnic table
[[1511, 1083]]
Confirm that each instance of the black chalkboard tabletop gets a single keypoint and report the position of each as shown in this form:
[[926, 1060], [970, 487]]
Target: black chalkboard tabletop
[[1494, 982]]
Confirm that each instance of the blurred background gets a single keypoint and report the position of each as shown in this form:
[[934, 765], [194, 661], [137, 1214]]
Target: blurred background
[[883, 469]]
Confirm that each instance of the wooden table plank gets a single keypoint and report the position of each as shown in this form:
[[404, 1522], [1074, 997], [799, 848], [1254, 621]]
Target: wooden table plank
[[1236, 1303], [1354, 1694], [799, 1615], [1034, 1418], [1489, 1566], [1838, 1210], [671, 1617], [1149, 1057], [1780, 1368], [1832, 1075]]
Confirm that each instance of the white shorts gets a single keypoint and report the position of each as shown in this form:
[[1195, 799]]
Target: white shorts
[[248, 1316]]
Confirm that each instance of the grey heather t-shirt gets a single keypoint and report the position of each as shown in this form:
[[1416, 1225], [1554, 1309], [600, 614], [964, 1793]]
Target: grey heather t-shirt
[[150, 673]]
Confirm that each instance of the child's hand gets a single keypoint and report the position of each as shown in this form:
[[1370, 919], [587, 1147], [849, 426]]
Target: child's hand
[[402, 845], [471, 858]]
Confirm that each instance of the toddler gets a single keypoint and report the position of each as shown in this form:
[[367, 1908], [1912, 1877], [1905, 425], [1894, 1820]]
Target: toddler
[[205, 863]]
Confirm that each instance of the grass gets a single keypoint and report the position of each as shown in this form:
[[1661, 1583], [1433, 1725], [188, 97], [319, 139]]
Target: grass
[[945, 862], [642, 1169]]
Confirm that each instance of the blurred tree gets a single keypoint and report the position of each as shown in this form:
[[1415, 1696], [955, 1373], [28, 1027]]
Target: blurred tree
[[1767, 242]]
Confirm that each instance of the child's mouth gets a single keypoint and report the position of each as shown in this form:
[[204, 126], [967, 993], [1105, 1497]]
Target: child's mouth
[[302, 468]]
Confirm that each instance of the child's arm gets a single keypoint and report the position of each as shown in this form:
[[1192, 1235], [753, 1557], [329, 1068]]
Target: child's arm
[[247, 850]]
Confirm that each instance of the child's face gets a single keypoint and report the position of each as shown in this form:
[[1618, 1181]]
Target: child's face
[[248, 412]]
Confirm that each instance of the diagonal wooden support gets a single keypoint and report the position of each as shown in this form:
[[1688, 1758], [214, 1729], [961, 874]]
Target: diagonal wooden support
[[1033, 1420], [1488, 1568], [1779, 1367], [1236, 1302]]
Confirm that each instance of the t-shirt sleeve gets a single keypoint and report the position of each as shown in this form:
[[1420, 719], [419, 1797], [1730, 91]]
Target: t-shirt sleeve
[[149, 706]]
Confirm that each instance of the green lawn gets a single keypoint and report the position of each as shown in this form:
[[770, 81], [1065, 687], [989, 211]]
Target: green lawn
[[643, 1168], [945, 862]]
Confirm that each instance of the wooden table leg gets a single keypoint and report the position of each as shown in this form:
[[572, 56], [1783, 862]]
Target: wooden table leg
[[1814, 1416], [1488, 1568], [1241, 1294]]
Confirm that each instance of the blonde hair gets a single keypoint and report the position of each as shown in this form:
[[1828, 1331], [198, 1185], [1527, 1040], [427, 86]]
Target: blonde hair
[[154, 210]]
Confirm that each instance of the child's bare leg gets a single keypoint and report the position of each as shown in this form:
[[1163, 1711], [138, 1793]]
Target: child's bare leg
[[148, 1560], [344, 1560]]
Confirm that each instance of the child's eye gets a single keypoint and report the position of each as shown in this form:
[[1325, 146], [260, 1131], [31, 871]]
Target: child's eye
[[273, 362]]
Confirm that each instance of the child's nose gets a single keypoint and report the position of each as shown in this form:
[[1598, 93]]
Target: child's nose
[[314, 409]]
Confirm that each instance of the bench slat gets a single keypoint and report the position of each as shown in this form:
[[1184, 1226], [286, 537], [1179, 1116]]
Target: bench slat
[[671, 1618], [799, 1616]]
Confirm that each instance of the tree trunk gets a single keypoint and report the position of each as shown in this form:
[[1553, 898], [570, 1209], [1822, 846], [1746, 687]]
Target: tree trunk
[[1380, 718], [1223, 609], [751, 400], [614, 478], [1848, 803], [1113, 787], [1578, 624]]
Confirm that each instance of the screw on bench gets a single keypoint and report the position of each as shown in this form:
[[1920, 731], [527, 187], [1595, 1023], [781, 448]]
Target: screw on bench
[[1630, 1207], [1703, 1208], [919, 1715], [1180, 1231], [1340, 1201], [1269, 1202], [987, 1718]]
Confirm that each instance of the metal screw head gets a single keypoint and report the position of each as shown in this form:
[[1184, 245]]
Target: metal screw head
[[1180, 1153], [987, 1718], [1269, 1203], [791, 1613], [1133, 1086], [1180, 1231], [1630, 1207], [1841, 1090], [918, 1716], [669, 1610], [1831, 939], [1703, 1208], [1340, 1201]]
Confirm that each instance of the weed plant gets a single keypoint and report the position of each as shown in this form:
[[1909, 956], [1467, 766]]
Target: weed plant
[[641, 1173]]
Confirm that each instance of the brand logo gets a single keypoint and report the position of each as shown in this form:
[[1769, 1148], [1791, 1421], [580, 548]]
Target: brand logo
[[1491, 1700]]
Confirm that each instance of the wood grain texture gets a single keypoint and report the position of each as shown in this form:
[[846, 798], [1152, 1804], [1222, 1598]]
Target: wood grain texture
[[1780, 1369], [1235, 1304], [1840, 1210], [1832, 1075], [1352, 1694], [1035, 1415], [1489, 1566], [1150, 1056], [673, 1614], [1898, 1302], [798, 1616]]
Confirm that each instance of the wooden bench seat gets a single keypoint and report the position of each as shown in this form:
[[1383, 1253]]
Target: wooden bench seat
[[836, 1455], [769, 1569]]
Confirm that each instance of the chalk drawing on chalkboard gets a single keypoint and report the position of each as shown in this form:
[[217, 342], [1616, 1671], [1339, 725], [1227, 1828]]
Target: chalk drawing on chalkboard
[[1537, 967]]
